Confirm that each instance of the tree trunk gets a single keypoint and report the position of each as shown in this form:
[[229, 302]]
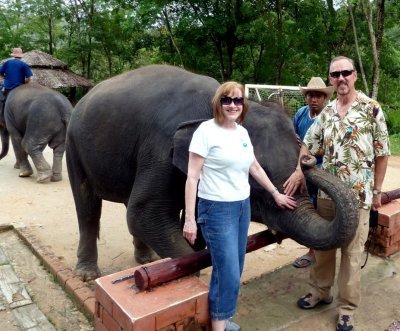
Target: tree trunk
[[279, 59], [357, 48], [50, 31], [375, 45], [171, 36]]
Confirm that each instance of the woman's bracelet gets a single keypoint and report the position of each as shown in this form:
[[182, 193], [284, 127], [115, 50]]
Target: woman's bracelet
[[274, 191]]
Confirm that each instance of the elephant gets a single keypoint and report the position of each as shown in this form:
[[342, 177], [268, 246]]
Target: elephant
[[35, 116], [127, 142]]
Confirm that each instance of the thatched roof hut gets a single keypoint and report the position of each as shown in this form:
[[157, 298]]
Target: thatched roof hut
[[51, 72]]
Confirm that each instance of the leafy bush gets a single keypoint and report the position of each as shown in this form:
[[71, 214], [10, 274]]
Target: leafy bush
[[395, 144], [392, 115]]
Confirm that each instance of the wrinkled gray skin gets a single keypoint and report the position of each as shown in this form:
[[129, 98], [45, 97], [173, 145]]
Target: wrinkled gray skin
[[128, 142], [35, 116]]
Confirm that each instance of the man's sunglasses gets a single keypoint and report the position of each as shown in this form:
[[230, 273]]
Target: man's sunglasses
[[344, 73], [226, 101]]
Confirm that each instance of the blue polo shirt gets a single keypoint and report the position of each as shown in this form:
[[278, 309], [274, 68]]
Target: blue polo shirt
[[14, 72], [302, 121]]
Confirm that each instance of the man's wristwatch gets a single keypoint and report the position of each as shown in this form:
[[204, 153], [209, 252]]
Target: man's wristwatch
[[376, 192]]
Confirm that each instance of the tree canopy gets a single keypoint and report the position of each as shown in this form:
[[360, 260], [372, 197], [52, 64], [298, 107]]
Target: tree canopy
[[281, 42]]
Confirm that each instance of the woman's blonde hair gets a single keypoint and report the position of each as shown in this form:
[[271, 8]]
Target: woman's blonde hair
[[224, 90]]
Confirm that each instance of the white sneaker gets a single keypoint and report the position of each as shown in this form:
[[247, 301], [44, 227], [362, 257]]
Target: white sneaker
[[231, 326]]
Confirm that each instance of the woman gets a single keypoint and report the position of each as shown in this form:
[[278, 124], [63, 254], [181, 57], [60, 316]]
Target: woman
[[221, 156]]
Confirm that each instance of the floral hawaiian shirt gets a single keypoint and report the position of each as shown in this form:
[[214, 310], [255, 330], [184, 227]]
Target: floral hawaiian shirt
[[350, 145]]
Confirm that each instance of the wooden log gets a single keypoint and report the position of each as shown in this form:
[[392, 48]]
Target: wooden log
[[147, 277], [388, 196]]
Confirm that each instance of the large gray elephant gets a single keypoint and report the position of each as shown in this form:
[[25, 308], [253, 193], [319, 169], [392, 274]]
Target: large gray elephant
[[35, 116], [128, 140]]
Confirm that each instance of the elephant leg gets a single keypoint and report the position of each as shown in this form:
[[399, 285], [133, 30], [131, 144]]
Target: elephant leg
[[58, 153], [143, 253], [88, 209], [21, 157], [35, 150], [153, 212]]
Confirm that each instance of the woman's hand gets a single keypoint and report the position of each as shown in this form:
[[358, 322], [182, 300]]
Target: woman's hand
[[295, 181], [285, 201], [190, 230]]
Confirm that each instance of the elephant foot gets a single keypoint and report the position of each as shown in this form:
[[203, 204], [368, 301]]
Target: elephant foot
[[145, 256], [43, 176], [25, 173], [87, 273], [56, 177], [16, 165]]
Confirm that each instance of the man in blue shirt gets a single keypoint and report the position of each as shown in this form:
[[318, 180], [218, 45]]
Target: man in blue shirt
[[15, 72], [317, 95]]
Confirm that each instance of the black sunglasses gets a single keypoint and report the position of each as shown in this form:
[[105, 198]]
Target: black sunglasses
[[226, 101], [344, 73]]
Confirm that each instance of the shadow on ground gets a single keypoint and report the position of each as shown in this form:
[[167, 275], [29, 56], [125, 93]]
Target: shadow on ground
[[270, 302]]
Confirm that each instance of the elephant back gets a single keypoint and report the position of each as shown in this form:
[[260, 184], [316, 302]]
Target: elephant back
[[38, 103]]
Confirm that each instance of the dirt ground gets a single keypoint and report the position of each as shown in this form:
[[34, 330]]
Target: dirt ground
[[48, 210]]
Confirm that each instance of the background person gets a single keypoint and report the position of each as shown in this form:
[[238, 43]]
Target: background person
[[220, 157], [352, 132], [15, 71], [317, 94]]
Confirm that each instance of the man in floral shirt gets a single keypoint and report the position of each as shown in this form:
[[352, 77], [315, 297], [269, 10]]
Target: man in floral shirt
[[352, 136]]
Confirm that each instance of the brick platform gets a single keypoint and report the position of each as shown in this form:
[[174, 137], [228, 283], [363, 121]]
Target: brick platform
[[180, 305], [386, 240]]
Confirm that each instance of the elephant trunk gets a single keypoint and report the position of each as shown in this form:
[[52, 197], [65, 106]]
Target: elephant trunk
[[5, 141], [304, 224]]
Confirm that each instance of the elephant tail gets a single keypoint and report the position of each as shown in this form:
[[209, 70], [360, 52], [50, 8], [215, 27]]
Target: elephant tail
[[65, 116], [5, 141]]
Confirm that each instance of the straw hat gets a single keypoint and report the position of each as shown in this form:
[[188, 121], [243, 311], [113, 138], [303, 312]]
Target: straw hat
[[317, 84], [17, 52]]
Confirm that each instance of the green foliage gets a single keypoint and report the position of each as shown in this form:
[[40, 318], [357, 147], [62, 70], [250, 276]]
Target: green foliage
[[392, 115], [252, 41], [395, 144]]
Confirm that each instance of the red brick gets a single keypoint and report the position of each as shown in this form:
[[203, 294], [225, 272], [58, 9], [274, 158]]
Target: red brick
[[125, 321], [73, 284], [148, 324], [392, 230], [389, 213], [48, 259], [56, 266], [202, 310], [186, 324], [175, 313], [99, 326], [103, 298], [110, 323], [64, 275], [99, 310], [386, 251], [84, 293], [381, 240], [395, 238], [90, 306]]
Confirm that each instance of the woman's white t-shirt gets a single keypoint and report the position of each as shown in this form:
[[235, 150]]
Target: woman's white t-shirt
[[228, 156]]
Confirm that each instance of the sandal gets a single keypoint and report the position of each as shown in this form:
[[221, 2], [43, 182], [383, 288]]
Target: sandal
[[310, 301], [303, 261]]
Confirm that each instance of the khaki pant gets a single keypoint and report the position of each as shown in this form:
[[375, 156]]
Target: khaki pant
[[322, 273]]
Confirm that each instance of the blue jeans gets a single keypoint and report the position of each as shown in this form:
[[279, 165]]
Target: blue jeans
[[224, 226]]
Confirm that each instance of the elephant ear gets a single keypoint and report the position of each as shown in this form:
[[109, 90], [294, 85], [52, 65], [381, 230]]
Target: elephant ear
[[181, 141]]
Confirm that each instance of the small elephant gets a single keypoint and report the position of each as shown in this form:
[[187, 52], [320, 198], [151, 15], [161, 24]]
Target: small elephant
[[128, 140], [35, 116]]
